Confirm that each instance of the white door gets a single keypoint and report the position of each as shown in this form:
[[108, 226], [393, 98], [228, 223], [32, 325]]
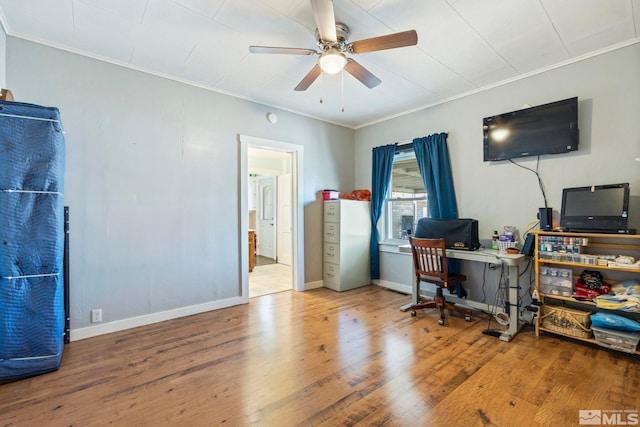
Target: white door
[[284, 219], [266, 224]]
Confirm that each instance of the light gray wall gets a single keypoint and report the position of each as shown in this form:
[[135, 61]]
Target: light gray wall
[[498, 194], [152, 180]]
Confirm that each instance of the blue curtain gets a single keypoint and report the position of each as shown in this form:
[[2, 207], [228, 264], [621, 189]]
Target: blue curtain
[[382, 164], [432, 155]]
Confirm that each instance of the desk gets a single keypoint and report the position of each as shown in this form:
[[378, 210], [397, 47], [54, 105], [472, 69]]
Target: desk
[[489, 256]]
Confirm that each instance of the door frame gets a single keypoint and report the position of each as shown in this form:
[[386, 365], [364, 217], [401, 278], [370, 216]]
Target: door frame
[[297, 214]]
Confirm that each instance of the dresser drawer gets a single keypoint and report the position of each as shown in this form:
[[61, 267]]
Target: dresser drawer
[[331, 253], [332, 232], [332, 211], [331, 273]]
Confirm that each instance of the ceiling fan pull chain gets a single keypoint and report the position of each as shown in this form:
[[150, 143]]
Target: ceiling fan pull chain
[[321, 85], [342, 89]]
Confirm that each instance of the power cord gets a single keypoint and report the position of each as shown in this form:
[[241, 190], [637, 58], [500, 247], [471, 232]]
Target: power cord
[[537, 173], [500, 298], [484, 281]]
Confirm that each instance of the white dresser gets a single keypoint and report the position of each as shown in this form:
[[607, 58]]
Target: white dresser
[[347, 232]]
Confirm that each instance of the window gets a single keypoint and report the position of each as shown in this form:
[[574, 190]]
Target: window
[[406, 201]]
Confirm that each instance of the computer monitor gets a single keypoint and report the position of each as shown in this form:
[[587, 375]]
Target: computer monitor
[[598, 208]]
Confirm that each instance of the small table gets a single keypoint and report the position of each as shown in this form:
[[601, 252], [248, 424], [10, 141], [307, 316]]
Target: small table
[[252, 250], [490, 256]]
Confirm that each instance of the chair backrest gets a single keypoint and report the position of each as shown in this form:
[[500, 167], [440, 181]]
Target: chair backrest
[[429, 257]]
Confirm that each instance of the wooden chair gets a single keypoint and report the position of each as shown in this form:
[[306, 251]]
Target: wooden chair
[[430, 263]]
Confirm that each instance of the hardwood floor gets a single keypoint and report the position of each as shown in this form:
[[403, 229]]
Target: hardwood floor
[[322, 358]]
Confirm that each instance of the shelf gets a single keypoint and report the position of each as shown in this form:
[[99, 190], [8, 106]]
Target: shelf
[[590, 266], [560, 297], [594, 235], [589, 340], [602, 244]]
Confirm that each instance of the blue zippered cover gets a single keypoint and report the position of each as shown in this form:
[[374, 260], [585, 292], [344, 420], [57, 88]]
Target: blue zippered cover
[[32, 161]]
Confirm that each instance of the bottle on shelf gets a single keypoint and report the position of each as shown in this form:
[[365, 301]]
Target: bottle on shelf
[[494, 240]]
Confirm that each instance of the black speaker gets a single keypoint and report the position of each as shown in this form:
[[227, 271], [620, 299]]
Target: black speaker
[[528, 246], [545, 216]]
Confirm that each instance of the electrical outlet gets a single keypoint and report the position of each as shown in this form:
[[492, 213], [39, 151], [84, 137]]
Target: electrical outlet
[[96, 315]]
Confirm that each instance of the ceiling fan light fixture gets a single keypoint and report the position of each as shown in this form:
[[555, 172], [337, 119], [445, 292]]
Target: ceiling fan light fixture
[[332, 61]]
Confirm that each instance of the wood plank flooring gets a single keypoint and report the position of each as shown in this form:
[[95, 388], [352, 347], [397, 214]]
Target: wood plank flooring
[[322, 358]]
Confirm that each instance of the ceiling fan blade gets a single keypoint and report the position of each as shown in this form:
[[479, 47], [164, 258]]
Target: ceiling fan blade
[[325, 19], [285, 50], [309, 78], [362, 74], [391, 41]]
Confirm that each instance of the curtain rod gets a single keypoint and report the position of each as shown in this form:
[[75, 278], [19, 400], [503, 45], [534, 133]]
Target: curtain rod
[[407, 145], [403, 148]]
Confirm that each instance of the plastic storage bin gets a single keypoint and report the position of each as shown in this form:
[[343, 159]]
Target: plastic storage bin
[[617, 340], [330, 195], [556, 281]]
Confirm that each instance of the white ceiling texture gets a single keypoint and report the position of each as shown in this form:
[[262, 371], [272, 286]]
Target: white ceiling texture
[[463, 45]]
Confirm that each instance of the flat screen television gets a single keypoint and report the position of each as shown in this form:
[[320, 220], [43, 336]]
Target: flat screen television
[[545, 129], [599, 208]]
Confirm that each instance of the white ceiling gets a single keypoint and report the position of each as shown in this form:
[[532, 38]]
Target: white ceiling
[[463, 45]]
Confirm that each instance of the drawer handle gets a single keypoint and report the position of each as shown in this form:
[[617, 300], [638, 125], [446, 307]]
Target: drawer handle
[[330, 275], [331, 234]]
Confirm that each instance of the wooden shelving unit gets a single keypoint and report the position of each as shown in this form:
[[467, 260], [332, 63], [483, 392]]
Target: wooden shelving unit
[[593, 244]]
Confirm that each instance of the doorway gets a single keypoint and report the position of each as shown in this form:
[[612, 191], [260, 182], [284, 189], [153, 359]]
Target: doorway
[[268, 172], [271, 168]]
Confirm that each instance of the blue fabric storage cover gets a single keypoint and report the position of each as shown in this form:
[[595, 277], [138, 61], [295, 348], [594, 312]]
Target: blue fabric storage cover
[[32, 156]]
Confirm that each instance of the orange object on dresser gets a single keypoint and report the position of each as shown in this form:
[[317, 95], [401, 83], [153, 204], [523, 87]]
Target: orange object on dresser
[[362, 195]]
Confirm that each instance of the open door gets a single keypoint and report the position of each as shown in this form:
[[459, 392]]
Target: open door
[[266, 222]]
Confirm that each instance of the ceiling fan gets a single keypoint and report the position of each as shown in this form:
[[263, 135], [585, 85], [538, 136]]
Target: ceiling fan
[[333, 45]]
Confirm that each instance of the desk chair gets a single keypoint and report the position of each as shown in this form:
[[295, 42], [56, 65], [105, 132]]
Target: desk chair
[[430, 263]]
